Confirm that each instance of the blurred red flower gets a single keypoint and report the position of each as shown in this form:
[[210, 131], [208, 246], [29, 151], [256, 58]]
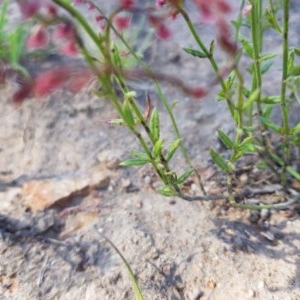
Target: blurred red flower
[[121, 22], [38, 37]]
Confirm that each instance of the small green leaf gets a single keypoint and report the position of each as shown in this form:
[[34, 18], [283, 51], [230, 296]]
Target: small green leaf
[[252, 97], [267, 111], [3, 15], [247, 140], [182, 178], [295, 70], [271, 125], [134, 162], [261, 165], [212, 48], [139, 154], [127, 114], [265, 67], [249, 129], [290, 64], [272, 20], [168, 191], [174, 146], [237, 155], [236, 116], [296, 129], [267, 56], [195, 53], [154, 125], [116, 58], [157, 148], [220, 161], [290, 169], [271, 100], [249, 148], [226, 140], [293, 172], [247, 46], [297, 51]]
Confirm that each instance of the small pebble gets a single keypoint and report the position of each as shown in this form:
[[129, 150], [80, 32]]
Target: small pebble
[[194, 187], [138, 203], [251, 294], [125, 182], [265, 225], [147, 179], [172, 201], [254, 216], [261, 285], [268, 235], [265, 213], [211, 284], [109, 219], [198, 295], [244, 178]]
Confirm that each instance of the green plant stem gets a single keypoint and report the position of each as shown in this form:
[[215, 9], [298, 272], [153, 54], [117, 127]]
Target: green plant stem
[[284, 108], [82, 21], [208, 55], [257, 37], [257, 33], [136, 288], [106, 80], [166, 105]]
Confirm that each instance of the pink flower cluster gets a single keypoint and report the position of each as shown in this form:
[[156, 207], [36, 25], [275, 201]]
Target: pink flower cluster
[[71, 78], [217, 12], [64, 35], [212, 11]]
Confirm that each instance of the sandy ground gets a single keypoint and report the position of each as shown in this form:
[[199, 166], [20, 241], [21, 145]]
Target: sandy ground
[[177, 250]]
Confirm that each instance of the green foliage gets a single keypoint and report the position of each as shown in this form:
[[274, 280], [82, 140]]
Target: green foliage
[[223, 164], [154, 125], [117, 58], [225, 139], [136, 288], [168, 191], [183, 177], [196, 53], [173, 148]]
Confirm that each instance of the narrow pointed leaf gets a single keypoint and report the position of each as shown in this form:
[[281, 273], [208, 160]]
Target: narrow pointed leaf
[[248, 48], [220, 161], [271, 100], [134, 162], [247, 140], [265, 67], [182, 178], [173, 148], [157, 148], [271, 125], [226, 140], [267, 56], [195, 53], [154, 125], [212, 48], [272, 20], [167, 191], [253, 97], [296, 129], [129, 119], [139, 154], [267, 111]]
